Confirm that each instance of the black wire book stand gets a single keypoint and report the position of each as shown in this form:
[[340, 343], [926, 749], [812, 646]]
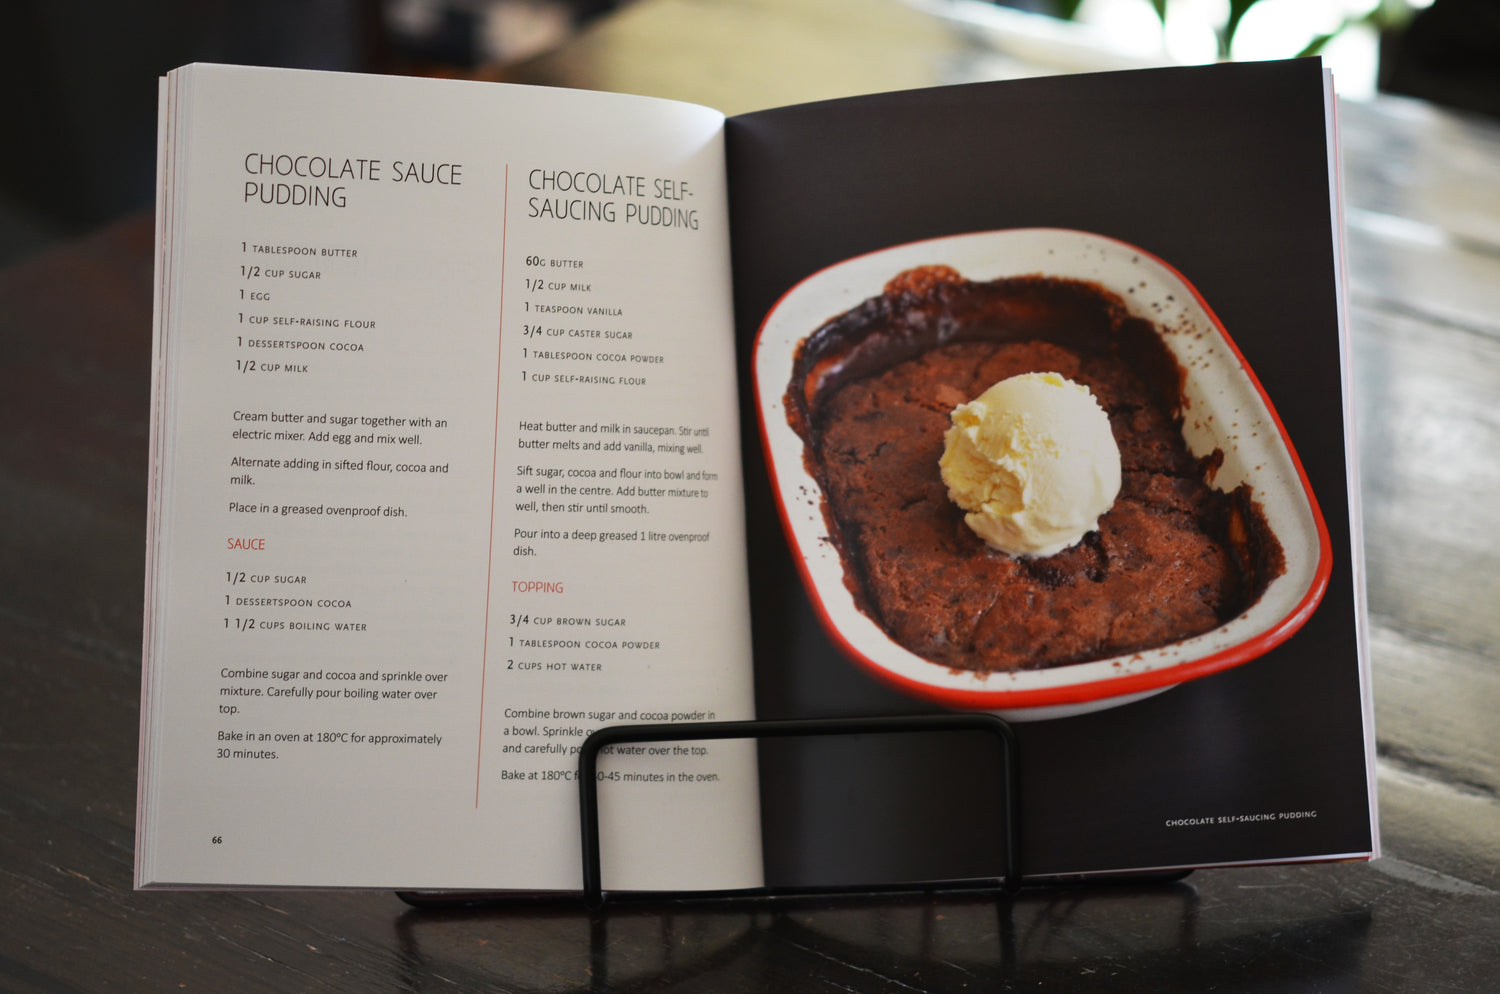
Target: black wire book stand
[[594, 894], [588, 788]]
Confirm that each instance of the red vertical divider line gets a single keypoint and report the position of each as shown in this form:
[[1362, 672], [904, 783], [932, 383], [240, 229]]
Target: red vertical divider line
[[489, 573]]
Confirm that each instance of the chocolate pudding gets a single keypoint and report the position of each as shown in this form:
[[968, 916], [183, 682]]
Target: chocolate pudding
[[871, 395]]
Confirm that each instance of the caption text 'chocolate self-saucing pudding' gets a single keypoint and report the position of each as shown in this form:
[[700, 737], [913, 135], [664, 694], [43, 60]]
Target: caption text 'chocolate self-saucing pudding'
[[943, 551]]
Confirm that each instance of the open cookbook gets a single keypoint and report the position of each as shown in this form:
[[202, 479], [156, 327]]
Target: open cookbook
[[485, 416]]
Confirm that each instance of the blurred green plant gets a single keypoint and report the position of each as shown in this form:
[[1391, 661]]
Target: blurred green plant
[[1385, 16]]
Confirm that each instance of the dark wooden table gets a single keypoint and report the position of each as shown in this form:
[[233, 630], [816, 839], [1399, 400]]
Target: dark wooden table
[[1424, 197]]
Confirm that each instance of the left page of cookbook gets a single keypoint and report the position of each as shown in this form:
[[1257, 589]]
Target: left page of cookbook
[[445, 474]]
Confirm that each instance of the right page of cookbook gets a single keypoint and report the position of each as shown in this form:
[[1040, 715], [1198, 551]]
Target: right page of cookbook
[[983, 203]]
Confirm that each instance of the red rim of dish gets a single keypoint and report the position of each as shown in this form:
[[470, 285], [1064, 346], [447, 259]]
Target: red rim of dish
[[1093, 690]]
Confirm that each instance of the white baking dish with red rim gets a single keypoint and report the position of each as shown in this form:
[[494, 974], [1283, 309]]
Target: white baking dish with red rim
[[1224, 408]]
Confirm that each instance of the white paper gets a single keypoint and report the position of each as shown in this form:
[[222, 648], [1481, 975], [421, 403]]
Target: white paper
[[445, 475]]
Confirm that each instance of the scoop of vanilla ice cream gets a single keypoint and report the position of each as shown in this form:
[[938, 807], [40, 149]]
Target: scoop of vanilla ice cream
[[1033, 462]]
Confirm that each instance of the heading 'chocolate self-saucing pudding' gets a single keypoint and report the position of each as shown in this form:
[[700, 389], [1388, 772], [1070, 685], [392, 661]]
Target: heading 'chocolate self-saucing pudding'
[[871, 396]]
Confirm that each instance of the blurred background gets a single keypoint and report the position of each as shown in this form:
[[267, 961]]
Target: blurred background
[[81, 74]]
